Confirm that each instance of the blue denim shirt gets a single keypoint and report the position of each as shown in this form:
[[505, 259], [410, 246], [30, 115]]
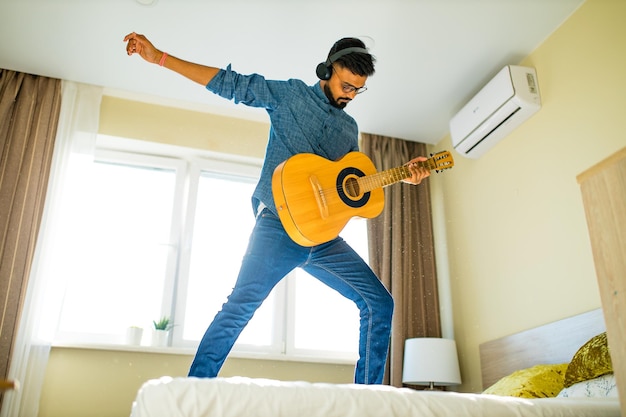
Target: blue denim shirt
[[302, 121]]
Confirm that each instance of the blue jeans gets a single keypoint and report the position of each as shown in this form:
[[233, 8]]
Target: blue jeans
[[271, 254]]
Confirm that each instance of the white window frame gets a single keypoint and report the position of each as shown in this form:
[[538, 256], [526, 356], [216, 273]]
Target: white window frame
[[189, 164]]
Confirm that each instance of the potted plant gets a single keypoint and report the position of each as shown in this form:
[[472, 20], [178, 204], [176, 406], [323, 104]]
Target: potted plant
[[161, 331]]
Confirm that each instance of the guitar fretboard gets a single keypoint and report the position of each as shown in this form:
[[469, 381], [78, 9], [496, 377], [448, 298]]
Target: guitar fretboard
[[390, 176]]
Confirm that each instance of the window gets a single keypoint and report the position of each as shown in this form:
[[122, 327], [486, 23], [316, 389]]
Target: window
[[115, 249], [317, 327], [222, 222], [152, 230]]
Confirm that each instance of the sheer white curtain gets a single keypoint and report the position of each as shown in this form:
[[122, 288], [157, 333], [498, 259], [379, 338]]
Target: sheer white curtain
[[76, 135]]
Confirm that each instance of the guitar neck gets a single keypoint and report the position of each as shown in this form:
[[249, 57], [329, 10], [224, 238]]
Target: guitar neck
[[391, 176]]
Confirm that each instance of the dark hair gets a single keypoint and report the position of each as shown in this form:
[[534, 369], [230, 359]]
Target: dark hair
[[357, 62]]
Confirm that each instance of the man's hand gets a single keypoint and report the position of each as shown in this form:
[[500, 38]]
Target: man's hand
[[139, 44], [418, 173]]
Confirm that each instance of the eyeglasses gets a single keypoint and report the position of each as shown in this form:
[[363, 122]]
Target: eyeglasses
[[349, 88]]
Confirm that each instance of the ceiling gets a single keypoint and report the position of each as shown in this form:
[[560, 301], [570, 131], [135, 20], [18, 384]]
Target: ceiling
[[432, 55]]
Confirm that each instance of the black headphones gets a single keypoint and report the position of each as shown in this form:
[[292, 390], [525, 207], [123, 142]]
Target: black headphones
[[325, 69]]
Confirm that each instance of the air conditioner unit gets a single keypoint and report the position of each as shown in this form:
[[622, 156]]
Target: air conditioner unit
[[510, 98]]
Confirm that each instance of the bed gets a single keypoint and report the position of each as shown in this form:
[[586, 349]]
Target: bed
[[516, 371]]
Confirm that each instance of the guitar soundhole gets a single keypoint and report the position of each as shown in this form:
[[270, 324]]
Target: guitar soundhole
[[352, 187], [348, 188]]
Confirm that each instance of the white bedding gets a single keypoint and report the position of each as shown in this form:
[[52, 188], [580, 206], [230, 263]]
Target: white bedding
[[247, 397]]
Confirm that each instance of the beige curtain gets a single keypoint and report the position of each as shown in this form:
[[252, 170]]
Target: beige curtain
[[29, 111], [402, 250]]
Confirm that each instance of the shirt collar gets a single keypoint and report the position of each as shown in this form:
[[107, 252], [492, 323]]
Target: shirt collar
[[319, 92]]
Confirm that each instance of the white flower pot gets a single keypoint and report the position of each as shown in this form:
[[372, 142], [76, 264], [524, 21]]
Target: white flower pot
[[134, 335], [159, 337]]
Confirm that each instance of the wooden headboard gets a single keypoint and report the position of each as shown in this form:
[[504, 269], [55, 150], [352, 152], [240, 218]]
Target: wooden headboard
[[548, 344]]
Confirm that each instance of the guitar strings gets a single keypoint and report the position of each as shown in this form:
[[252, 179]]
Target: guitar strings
[[373, 181], [389, 176]]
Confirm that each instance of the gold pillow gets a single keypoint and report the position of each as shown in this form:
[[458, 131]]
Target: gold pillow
[[592, 360], [540, 381]]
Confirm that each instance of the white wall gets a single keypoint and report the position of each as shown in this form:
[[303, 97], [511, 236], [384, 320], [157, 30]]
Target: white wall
[[516, 234]]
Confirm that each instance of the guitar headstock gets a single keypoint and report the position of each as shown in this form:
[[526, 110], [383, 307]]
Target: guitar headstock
[[440, 161]]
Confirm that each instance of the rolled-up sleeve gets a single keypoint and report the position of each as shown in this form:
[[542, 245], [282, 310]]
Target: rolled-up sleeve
[[252, 89]]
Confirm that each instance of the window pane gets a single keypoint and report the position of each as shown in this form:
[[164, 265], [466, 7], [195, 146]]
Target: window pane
[[222, 225], [325, 320], [115, 247]]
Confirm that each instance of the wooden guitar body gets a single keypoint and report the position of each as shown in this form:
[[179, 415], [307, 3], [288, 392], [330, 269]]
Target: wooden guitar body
[[315, 197]]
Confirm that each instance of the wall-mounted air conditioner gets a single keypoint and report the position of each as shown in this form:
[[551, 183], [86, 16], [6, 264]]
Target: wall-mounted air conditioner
[[510, 98]]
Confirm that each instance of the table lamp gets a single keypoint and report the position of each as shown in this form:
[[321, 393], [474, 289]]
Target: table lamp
[[430, 361]]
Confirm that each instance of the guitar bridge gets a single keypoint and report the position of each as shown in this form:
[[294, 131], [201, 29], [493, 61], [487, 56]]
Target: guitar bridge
[[320, 198]]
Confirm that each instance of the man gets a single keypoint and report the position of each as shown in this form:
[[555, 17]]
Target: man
[[304, 119]]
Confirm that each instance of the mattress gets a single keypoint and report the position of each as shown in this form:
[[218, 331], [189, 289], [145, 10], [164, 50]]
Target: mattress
[[253, 397]]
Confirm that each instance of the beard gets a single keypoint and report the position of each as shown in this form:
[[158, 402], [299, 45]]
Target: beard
[[335, 102]]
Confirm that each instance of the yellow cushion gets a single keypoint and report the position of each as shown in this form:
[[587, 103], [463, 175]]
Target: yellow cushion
[[540, 381], [592, 360]]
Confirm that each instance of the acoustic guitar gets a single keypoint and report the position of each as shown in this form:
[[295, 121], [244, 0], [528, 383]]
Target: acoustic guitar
[[315, 197]]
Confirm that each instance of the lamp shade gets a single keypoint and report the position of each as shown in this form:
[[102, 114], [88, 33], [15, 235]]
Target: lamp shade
[[430, 361]]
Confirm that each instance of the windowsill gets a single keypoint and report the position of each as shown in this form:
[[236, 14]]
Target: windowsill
[[192, 351]]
